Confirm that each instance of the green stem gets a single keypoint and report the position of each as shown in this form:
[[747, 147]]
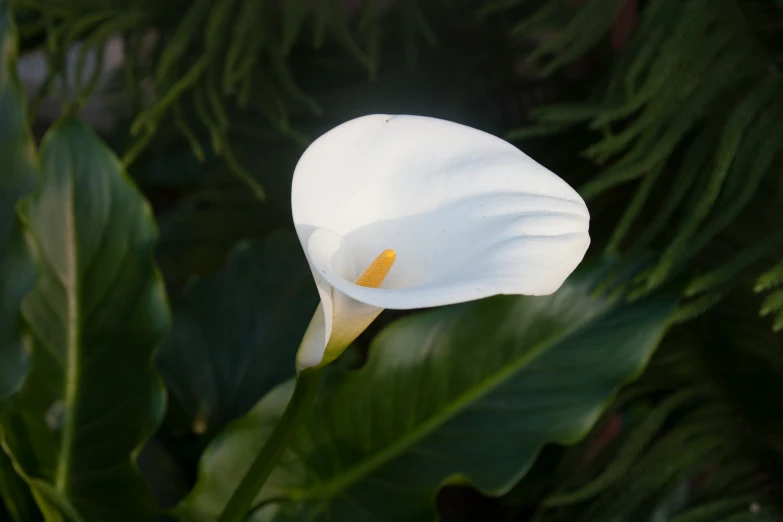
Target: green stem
[[298, 407]]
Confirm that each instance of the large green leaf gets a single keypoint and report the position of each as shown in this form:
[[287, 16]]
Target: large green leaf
[[235, 333], [96, 315], [461, 394], [17, 176], [197, 234], [15, 494]]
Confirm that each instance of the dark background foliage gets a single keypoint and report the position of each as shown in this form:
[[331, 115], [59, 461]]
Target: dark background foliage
[[667, 115]]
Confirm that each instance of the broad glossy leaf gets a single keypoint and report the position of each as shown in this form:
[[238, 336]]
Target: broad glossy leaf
[[15, 494], [96, 315], [163, 473], [197, 234], [235, 333], [468, 393], [17, 176]]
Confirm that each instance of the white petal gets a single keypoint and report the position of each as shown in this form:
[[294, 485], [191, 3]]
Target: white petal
[[339, 319], [468, 214]]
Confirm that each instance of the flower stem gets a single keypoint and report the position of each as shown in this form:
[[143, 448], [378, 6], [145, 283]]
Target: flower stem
[[295, 412]]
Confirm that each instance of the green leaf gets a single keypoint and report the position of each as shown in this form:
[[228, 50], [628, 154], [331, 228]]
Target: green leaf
[[197, 234], [468, 393], [98, 312], [235, 333], [17, 177], [15, 494], [164, 474]]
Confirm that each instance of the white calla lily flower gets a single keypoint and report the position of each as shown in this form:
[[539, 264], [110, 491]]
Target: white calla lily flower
[[407, 212]]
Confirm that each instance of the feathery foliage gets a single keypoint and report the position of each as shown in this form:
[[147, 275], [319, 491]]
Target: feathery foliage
[[769, 282], [685, 122], [213, 57], [691, 115], [687, 442]]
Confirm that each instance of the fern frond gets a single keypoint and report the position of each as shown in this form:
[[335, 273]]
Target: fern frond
[[181, 39], [728, 272], [585, 29], [711, 510], [697, 156], [695, 307], [773, 304], [735, 129], [695, 442], [770, 278], [696, 77], [633, 446], [217, 54], [632, 211]]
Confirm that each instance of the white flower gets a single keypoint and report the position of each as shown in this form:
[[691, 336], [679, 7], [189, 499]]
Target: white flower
[[467, 215]]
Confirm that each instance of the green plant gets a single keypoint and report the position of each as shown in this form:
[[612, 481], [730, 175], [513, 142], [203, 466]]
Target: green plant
[[688, 113], [692, 444], [646, 388]]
